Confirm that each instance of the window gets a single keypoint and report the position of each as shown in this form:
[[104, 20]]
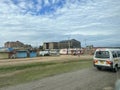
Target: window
[[114, 54], [102, 54], [118, 52]]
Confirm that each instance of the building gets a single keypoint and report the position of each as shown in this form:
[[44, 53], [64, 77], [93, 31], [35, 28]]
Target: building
[[62, 44], [69, 44], [21, 54], [50, 45], [17, 45]]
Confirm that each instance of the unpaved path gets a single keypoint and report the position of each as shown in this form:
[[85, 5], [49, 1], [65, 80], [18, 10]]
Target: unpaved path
[[42, 59], [86, 79]]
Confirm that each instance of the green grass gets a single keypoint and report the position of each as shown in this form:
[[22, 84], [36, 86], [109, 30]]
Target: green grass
[[35, 71]]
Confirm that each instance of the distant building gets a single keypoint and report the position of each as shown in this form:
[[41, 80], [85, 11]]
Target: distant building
[[50, 45], [17, 45], [69, 44], [62, 44]]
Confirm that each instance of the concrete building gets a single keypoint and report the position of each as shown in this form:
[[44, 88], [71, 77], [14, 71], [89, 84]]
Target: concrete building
[[17, 45], [69, 44], [62, 44], [50, 45]]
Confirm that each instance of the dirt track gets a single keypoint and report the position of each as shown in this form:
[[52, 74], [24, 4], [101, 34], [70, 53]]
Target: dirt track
[[41, 59], [86, 79]]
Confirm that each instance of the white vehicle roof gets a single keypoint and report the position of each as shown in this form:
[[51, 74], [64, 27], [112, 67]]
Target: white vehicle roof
[[107, 49]]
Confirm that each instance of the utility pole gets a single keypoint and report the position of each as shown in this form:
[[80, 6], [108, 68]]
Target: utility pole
[[68, 45], [85, 43], [69, 42]]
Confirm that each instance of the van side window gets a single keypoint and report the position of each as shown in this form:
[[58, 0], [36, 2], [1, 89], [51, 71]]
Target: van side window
[[118, 52], [114, 54]]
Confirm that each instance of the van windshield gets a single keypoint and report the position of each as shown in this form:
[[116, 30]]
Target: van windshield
[[102, 54]]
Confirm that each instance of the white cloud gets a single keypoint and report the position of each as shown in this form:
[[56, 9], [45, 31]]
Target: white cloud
[[47, 2], [88, 17], [22, 5]]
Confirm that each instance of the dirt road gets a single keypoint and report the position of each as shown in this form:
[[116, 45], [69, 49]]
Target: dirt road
[[42, 59], [86, 79]]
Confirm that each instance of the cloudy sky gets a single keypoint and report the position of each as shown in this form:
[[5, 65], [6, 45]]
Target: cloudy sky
[[96, 22]]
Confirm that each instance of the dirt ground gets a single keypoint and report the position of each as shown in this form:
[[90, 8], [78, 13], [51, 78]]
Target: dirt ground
[[42, 59], [85, 79]]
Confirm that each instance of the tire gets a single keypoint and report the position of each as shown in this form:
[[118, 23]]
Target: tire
[[115, 69]]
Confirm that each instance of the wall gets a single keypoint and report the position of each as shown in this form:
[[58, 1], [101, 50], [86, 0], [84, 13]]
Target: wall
[[21, 54], [33, 54]]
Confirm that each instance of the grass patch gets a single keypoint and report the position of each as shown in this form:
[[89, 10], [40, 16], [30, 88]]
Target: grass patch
[[28, 72]]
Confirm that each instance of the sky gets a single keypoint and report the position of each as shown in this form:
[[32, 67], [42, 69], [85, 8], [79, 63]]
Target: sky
[[92, 22]]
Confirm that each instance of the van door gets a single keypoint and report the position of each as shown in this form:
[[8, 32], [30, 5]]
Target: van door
[[115, 58], [118, 52]]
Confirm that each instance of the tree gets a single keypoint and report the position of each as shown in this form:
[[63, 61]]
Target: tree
[[40, 47]]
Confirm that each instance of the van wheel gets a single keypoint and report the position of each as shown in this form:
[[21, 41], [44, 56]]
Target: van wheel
[[115, 69]]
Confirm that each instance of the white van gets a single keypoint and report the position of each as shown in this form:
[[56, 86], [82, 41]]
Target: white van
[[107, 58]]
